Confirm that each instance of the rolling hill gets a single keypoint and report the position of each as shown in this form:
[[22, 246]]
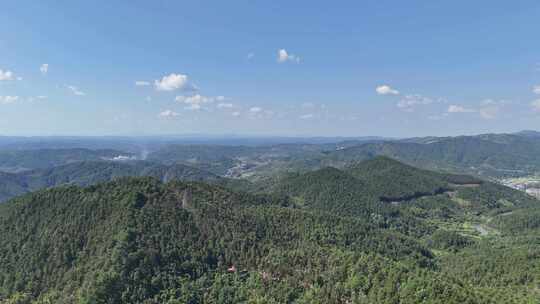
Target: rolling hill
[[137, 240], [91, 172], [488, 155], [325, 236]]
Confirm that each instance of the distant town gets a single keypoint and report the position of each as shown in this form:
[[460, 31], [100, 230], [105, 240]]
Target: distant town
[[528, 184]]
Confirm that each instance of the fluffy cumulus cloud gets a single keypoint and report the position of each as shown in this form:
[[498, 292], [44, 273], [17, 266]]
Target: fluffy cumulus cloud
[[75, 90], [408, 102], [459, 109], [168, 114], [386, 90], [255, 109], [536, 89], [284, 56], [6, 75], [4, 100], [171, 82], [44, 68], [142, 83]]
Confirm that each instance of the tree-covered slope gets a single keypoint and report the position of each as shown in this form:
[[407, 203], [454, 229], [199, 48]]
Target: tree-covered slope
[[492, 154], [11, 185], [91, 172], [391, 180], [364, 187], [328, 189], [138, 240]]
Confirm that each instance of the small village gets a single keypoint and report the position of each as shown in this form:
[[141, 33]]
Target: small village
[[528, 184]]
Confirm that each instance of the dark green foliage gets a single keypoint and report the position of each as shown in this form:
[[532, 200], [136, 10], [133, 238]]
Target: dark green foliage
[[327, 236], [495, 198], [449, 240], [391, 180], [519, 221], [130, 239]]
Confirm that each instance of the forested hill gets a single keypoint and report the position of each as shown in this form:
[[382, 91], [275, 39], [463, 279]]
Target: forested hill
[[91, 172], [490, 154], [362, 187], [137, 240]]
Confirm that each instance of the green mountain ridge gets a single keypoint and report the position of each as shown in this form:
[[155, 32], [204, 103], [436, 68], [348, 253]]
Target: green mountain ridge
[[91, 172], [484, 155], [326, 236]]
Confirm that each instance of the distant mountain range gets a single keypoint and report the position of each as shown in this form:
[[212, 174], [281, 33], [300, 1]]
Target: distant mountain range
[[487, 155], [92, 172]]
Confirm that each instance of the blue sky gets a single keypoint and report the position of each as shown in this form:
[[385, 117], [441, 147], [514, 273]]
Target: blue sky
[[390, 68]]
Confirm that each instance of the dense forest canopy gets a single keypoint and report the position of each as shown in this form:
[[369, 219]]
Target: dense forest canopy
[[377, 231]]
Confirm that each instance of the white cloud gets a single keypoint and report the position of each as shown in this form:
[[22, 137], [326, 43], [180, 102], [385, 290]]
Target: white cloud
[[224, 105], [168, 114], [307, 116], [195, 102], [8, 99], [408, 102], [536, 105], [171, 82], [6, 75], [141, 83], [536, 89], [386, 90], [255, 109], [44, 68], [194, 99], [459, 109], [75, 90], [236, 114], [283, 56]]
